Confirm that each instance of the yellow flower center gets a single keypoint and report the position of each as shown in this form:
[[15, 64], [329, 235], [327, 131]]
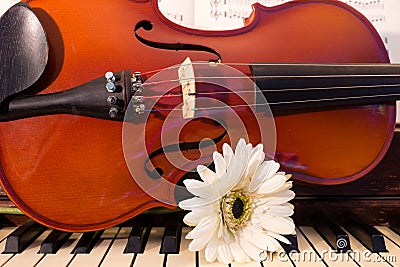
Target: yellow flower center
[[235, 208]]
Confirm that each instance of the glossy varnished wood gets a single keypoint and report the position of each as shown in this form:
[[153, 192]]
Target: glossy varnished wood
[[69, 172]]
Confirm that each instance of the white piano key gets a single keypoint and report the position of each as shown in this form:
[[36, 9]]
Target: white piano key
[[327, 253], [307, 257], [29, 256], [63, 255], [278, 259], [4, 232], [392, 241], [116, 256], [185, 258], [95, 257], [249, 264], [4, 257], [362, 255], [151, 256], [274, 261]]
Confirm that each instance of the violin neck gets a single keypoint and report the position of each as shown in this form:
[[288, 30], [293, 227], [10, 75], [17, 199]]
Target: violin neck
[[300, 86]]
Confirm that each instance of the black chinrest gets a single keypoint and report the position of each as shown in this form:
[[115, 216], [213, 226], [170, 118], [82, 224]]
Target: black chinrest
[[23, 50]]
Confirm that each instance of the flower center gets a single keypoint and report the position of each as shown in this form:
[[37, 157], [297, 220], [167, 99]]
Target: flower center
[[235, 208]]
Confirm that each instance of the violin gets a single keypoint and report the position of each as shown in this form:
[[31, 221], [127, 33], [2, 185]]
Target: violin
[[105, 113]]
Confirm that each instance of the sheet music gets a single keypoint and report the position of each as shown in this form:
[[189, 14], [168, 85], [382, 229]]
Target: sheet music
[[179, 11], [5, 5]]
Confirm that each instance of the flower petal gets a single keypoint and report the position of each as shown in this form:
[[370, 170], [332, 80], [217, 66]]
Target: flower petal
[[256, 149], [202, 237], [266, 170], [256, 158], [207, 175], [277, 198], [238, 253], [195, 216], [211, 251], [219, 163], [214, 190], [233, 175], [251, 250], [286, 186], [207, 226], [277, 224], [198, 188], [228, 154], [280, 210], [192, 203], [261, 240], [271, 185], [199, 243], [279, 237], [272, 244], [224, 253]]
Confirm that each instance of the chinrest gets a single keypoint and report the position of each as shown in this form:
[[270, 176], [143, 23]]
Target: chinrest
[[23, 50]]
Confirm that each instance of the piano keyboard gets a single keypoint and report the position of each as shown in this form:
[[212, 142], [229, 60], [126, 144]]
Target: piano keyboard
[[144, 246]]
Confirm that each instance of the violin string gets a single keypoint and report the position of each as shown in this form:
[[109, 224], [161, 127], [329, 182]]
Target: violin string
[[302, 64], [159, 70], [169, 95], [213, 64], [276, 103], [231, 64], [333, 99], [205, 79]]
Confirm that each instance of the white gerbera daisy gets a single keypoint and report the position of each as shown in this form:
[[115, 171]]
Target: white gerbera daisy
[[242, 208]]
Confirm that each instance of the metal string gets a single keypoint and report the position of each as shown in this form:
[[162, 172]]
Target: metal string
[[205, 79]]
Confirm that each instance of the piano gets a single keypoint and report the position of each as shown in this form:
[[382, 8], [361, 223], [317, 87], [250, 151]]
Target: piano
[[140, 243], [355, 224]]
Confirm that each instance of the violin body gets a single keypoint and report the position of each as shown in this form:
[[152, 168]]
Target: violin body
[[69, 172]]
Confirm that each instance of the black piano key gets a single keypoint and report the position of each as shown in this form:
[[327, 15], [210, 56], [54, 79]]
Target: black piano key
[[4, 221], [53, 242], [197, 260], [369, 236], [333, 235], [23, 236], [293, 246], [87, 242], [171, 240], [137, 238]]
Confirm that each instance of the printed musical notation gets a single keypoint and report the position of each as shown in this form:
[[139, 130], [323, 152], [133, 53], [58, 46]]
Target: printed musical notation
[[179, 11], [379, 4], [229, 14]]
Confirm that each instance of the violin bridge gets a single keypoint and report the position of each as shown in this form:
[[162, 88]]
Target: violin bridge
[[188, 83]]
